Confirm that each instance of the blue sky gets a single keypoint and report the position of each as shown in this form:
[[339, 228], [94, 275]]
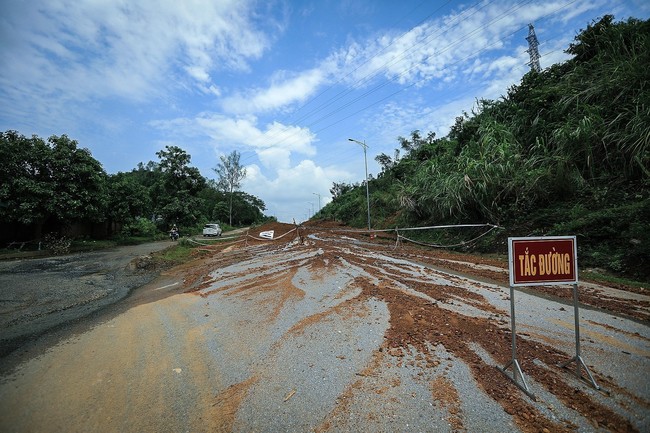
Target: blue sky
[[284, 82]]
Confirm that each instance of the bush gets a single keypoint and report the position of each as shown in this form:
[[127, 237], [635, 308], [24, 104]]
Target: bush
[[140, 227]]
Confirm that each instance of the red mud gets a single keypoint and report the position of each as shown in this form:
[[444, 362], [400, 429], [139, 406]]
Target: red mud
[[417, 326]]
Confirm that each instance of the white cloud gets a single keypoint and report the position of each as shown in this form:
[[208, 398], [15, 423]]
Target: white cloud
[[273, 144], [280, 93], [68, 61], [291, 193], [274, 157], [435, 49], [198, 73], [463, 51], [75, 50], [416, 115], [286, 188]]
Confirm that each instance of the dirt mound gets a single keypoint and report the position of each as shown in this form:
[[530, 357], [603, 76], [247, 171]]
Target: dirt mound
[[324, 224]]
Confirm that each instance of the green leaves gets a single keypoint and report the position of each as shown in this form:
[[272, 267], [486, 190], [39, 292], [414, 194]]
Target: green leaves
[[566, 151], [42, 180]]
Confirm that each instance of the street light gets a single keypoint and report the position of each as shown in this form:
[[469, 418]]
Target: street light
[[365, 158], [315, 193]]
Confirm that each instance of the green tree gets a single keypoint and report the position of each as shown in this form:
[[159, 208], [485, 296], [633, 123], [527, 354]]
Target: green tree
[[212, 197], [127, 198], [220, 211], [178, 187], [248, 208], [340, 188], [42, 180], [567, 150], [231, 173], [386, 162], [25, 181], [80, 181]]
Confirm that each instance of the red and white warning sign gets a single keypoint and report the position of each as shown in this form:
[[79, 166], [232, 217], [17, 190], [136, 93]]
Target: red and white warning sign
[[267, 234], [543, 260]]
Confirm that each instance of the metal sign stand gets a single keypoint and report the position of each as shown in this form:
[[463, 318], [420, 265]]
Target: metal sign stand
[[578, 359], [516, 369], [539, 261]]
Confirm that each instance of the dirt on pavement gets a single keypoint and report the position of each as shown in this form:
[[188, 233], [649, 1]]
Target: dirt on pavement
[[326, 329]]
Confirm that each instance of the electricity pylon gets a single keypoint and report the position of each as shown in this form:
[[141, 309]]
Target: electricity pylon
[[532, 49]]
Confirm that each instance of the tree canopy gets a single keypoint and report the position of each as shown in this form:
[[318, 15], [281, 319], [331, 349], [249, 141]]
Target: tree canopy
[[49, 180], [58, 184]]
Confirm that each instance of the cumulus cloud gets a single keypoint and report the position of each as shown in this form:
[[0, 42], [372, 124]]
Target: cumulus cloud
[[65, 58], [291, 193], [280, 93], [288, 189], [434, 50], [274, 143], [463, 50]]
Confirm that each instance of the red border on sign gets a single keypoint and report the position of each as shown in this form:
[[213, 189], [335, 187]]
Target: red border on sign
[[543, 260]]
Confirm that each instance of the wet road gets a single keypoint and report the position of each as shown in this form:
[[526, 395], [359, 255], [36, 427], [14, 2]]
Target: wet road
[[327, 336], [37, 295]]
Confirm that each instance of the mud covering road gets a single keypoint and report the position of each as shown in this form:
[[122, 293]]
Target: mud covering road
[[333, 332]]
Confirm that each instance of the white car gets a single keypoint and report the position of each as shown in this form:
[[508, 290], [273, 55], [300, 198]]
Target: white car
[[211, 230]]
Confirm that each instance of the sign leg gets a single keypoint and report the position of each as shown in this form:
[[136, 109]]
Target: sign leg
[[516, 369], [578, 359]]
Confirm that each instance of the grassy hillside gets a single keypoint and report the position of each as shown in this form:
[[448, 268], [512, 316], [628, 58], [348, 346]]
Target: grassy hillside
[[565, 152]]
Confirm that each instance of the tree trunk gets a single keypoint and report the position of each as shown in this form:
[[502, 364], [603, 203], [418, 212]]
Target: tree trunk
[[230, 210]]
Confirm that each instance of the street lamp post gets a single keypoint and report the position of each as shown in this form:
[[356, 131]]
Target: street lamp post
[[315, 193], [365, 159]]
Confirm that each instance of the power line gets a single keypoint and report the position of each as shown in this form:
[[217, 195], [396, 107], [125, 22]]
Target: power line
[[455, 43], [385, 83], [364, 63], [450, 65], [355, 85], [381, 68], [376, 71]]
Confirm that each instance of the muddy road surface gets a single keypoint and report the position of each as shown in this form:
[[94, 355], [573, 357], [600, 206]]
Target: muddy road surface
[[38, 295], [326, 332]]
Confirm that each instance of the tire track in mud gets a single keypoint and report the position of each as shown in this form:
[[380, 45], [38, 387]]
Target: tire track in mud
[[591, 295], [417, 325], [425, 329]]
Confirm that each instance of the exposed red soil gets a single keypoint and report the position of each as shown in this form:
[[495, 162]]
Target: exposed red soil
[[416, 326], [444, 392], [587, 296]]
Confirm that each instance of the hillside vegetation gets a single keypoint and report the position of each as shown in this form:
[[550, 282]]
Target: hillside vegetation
[[565, 152]]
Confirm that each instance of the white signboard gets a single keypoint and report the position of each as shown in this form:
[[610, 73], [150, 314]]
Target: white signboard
[[268, 234]]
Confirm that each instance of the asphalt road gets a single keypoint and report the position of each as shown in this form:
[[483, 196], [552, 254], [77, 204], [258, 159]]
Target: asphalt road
[[38, 295], [326, 336]]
